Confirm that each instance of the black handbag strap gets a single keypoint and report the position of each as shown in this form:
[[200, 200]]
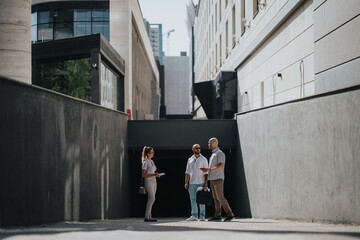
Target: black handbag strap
[[142, 179]]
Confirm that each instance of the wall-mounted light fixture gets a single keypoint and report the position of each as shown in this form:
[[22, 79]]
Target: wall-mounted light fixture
[[246, 23], [94, 65], [262, 4]]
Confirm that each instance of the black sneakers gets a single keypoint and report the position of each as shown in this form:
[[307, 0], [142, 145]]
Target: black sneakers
[[214, 219], [150, 220], [229, 218]]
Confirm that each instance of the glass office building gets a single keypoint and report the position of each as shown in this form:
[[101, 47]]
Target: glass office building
[[71, 53], [59, 20]]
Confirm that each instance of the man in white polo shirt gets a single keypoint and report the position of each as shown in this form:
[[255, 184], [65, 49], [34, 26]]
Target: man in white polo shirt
[[195, 178]]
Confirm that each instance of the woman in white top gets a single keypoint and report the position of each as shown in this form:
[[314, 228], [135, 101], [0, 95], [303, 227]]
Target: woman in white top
[[149, 174]]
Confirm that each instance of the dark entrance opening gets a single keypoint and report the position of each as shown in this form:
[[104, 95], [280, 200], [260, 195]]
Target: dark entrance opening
[[172, 141]]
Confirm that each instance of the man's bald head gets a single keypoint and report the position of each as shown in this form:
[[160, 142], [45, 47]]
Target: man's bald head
[[213, 143], [196, 149], [196, 145]]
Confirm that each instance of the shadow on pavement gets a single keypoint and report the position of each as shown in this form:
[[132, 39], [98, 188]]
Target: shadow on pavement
[[164, 225]]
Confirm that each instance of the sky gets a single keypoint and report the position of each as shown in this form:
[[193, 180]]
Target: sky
[[171, 14]]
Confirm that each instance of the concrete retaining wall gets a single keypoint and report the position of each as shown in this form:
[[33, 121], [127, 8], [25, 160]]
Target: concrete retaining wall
[[62, 159], [302, 159]]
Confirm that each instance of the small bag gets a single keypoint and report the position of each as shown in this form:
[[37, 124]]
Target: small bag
[[142, 190], [204, 197]]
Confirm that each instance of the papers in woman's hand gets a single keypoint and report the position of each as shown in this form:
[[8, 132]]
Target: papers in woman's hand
[[201, 188]]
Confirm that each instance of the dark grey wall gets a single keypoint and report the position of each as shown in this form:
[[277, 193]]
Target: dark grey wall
[[182, 134], [60, 158]]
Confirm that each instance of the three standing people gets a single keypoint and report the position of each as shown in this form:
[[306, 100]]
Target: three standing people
[[195, 178], [198, 172]]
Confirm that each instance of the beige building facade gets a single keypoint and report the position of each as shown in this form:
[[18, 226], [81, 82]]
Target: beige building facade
[[129, 37]]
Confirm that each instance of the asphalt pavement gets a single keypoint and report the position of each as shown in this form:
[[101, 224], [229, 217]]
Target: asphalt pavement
[[178, 228]]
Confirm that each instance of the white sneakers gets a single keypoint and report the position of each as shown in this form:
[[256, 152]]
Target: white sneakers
[[192, 218]]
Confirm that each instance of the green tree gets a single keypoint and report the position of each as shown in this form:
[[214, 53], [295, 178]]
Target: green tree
[[70, 77]]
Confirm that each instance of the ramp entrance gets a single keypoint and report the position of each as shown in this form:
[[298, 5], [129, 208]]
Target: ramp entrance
[[172, 141]]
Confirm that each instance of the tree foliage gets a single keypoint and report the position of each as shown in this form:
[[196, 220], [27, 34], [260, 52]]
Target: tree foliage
[[70, 77]]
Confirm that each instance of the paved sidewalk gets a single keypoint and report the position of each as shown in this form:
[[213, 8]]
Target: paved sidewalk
[[176, 228]]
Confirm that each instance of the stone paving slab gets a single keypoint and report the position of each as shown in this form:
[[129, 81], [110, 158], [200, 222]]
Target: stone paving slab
[[179, 229]]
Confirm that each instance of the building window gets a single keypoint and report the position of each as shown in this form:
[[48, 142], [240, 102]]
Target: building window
[[70, 77], [212, 28], [67, 23], [216, 22], [209, 35], [220, 9], [227, 39], [234, 26], [82, 22], [44, 26], [33, 27], [216, 58], [255, 8], [213, 63], [242, 16], [110, 86], [262, 93], [220, 53], [63, 24]]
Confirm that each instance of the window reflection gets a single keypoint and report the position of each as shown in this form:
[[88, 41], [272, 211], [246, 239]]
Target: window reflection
[[68, 23], [101, 27], [63, 30], [70, 77], [110, 87], [82, 28], [82, 15], [45, 17], [45, 32], [100, 15], [33, 27], [63, 16]]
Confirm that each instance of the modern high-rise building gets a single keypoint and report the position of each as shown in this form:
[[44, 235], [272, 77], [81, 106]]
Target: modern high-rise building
[[91, 50], [156, 39], [177, 87], [278, 50]]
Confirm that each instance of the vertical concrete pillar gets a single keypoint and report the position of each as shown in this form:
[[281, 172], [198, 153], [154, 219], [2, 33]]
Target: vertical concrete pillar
[[15, 39]]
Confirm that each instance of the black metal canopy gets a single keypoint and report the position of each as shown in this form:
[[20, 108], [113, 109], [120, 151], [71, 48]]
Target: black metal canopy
[[218, 97]]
